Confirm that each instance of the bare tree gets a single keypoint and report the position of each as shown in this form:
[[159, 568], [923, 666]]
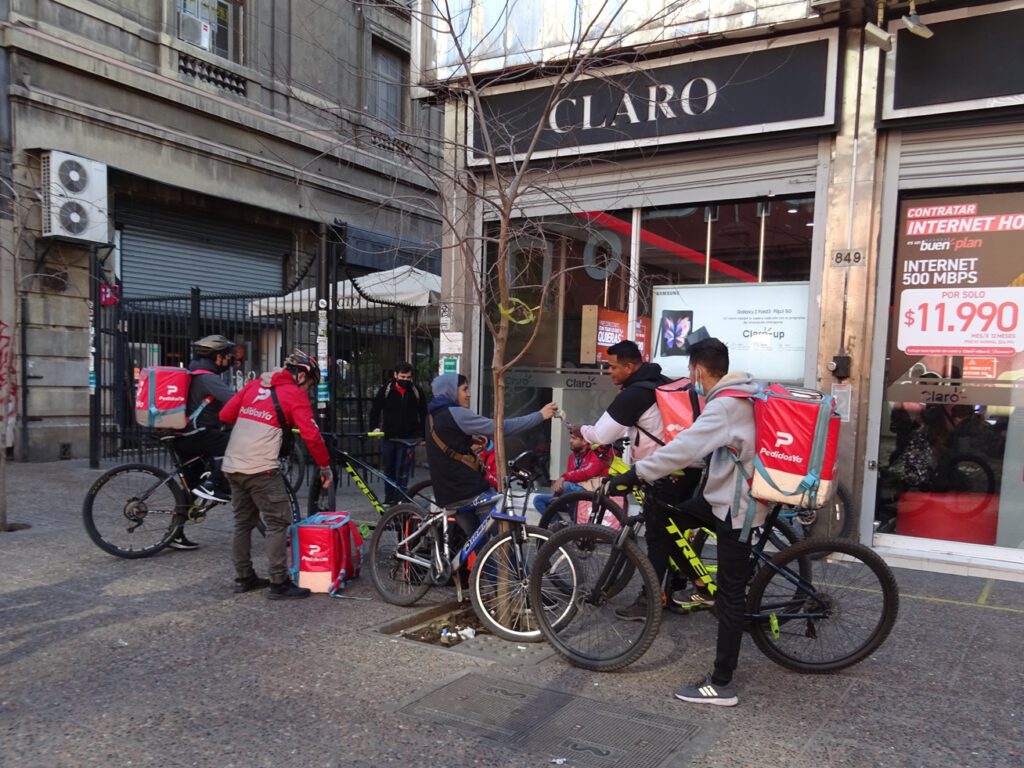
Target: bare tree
[[508, 169]]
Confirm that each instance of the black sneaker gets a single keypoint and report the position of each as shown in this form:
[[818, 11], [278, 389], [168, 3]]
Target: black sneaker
[[706, 692], [209, 491], [249, 583], [286, 591], [181, 542], [637, 611]]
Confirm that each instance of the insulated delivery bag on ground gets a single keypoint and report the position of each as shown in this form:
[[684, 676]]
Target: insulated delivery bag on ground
[[796, 445], [327, 552]]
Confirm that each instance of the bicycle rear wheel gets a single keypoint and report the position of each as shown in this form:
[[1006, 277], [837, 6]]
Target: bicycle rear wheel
[[293, 467], [133, 510], [577, 577], [401, 582], [828, 622], [562, 511], [422, 493], [503, 604]]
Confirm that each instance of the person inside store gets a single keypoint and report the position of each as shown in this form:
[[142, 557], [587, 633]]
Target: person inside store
[[456, 472], [260, 413], [724, 428], [634, 414], [206, 436], [399, 410]]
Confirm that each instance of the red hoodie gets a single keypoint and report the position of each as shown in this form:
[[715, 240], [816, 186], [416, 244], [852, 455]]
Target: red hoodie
[[255, 443], [587, 464]]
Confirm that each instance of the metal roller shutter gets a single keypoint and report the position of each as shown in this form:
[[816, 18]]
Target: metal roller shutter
[[979, 155], [722, 173], [165, 253]]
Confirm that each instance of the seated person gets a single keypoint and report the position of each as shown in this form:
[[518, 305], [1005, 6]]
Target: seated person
[[585, 463]]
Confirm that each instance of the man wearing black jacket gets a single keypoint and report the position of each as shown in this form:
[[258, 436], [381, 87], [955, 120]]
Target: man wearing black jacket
[[206, 436], [399, 410], [634, 414]]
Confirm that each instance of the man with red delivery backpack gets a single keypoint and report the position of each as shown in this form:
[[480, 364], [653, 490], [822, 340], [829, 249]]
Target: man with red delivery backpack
[[261, 413]]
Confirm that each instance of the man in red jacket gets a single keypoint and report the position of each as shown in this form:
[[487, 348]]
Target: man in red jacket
[[252, 466]]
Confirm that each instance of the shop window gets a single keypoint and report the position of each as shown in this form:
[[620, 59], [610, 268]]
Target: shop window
[[386, 89], [215, 25], [950, 450]]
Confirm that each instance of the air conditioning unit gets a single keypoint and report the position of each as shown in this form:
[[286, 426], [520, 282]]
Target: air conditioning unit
[[194, 30], [74, 198]]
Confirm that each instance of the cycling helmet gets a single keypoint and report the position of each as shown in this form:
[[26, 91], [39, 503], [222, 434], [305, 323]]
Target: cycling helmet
[[300, 361], [208, 346]]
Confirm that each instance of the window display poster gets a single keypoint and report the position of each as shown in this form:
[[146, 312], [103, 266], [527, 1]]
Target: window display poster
[[958, 294], [602, 328], [763, 324]]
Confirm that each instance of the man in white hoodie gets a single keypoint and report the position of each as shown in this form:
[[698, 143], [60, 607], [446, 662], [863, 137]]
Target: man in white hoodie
[[724, 428]]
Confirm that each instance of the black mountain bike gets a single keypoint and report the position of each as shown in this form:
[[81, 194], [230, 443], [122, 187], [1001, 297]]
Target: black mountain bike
[[819, 605], [134, 510]]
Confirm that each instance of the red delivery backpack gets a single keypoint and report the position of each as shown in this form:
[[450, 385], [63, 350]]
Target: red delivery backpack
[[161, 397], [678, 404], [796, 441], [327, 552]]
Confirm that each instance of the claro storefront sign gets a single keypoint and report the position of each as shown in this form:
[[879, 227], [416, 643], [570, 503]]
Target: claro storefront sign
[[775, 85]]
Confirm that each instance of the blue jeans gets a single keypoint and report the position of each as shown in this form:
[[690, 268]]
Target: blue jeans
[[397, 458], [541, 501]]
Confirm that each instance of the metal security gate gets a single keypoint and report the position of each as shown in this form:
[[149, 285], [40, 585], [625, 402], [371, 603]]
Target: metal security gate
[[364, 337]]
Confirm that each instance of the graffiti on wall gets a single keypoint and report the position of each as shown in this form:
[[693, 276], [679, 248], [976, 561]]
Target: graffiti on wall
[[8, 385]]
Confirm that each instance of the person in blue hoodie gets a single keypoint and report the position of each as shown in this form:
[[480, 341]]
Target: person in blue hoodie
[[456, 473], [724, 427]]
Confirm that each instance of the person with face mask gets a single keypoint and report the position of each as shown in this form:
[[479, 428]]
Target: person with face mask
[[725, 428], [206, 435], [399, 410]]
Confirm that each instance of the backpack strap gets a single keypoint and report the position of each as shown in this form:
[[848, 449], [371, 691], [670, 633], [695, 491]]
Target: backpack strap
[[742, 481], [470, 461], [287, 438], [651, 387], [202, 403], [742, 478]]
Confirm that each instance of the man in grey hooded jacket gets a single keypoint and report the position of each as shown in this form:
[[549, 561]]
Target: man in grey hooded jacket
[[724, 428]]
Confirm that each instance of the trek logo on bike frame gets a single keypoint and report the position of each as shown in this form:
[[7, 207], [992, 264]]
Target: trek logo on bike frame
[[362, 487], [692, 558]]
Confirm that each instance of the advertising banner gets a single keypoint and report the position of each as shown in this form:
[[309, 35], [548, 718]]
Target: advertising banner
[[763, 324], [958, 296]]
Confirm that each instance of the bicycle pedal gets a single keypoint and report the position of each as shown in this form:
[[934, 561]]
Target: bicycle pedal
[[196, 514]]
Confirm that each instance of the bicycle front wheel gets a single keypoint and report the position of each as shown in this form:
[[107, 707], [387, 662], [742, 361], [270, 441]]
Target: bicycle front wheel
[[399, 581], [133, 510], [500, 580], [832, 620], [567, 510], [578, 577]]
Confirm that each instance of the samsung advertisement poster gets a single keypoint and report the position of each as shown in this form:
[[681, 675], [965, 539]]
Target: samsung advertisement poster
[[764, 325]]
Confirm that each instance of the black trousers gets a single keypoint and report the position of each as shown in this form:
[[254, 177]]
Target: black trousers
[[734, 569], [672, 492], [211, 444]]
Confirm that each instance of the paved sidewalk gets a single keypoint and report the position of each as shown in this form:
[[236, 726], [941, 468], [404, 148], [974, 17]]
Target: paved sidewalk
[[155, 662]]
